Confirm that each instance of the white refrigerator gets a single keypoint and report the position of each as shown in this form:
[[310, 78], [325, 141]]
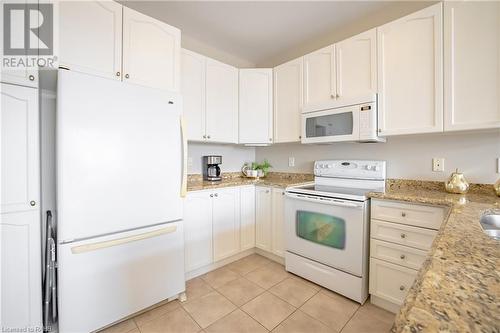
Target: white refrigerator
[[120, 179]]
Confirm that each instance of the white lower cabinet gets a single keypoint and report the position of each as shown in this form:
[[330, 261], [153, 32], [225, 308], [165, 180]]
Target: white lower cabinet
[[226, 222], [263, 218], [247, 217], [278, 222]]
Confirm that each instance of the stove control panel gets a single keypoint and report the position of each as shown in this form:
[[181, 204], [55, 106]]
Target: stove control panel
[[356, 169]]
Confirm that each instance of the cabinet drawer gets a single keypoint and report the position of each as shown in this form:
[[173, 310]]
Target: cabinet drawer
[[390, 282], [397, 254], [414, 215], [419, 238]]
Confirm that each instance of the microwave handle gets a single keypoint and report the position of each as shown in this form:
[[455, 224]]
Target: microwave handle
[[326, 201]]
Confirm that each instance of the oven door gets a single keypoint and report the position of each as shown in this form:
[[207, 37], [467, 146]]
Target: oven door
[[333, 125], [330, 231]]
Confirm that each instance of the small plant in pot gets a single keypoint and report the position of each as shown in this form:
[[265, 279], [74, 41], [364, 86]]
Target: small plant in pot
[[263, 168], [256, 169]]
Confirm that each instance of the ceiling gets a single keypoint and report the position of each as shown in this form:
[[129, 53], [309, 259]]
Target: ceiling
[[258, 31]]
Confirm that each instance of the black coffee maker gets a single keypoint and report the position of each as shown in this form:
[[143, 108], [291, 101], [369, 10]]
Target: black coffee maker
[[211, 170]]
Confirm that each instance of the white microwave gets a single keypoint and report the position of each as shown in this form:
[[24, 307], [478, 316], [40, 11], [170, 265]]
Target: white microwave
[[355, 123]]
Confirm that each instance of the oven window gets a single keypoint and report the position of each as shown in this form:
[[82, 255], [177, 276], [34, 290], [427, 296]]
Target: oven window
[[321, 228], [329, 125]]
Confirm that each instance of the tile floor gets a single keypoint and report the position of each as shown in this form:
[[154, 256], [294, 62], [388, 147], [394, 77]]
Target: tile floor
[[255, 295]]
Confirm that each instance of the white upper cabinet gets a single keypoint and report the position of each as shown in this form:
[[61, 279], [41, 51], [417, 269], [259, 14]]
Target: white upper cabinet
[[410, 67], [90, 37], [288, 93], [256, 106], [20, 149], [193, 93], [151, 51], [226, 222], [472, 62], [319, 77], [356, 64], [221, 102]]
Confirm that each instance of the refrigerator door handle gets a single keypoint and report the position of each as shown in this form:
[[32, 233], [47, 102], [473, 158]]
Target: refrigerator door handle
[[115, 242], [184, 158]]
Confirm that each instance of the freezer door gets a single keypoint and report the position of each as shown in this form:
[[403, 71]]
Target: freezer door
[[119, 156], [105, 279]]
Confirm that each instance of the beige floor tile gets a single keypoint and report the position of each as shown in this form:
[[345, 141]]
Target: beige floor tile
[[219, 277], [236, 322], [293, 291], [248, 264], [269, 310], [209, 308], [123, 327], [177, 321], [299, 322], [196, 288], [334, 311], [240, 291], [156, 312], [370, 319], [268, 275]]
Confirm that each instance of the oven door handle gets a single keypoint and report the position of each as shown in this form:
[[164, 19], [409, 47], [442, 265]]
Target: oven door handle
[[326, 201]]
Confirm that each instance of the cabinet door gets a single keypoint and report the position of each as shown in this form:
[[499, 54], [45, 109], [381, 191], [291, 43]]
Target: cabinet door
[[319, 77], [193, 93], [471, 58], [410, 79], [90, 37], [247, 216], [20, 149], [356, 63], [151, 51], [263, 220], [278, 233], [20, 253], [288, 94], [226, 222], [256, 106], [221, 102], [198, 230]]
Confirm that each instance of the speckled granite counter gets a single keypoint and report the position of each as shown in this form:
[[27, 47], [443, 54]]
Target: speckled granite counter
[[458, 287], [196, 183]]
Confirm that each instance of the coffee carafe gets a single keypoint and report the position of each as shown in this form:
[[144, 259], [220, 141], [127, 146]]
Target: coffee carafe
[[211, 169]]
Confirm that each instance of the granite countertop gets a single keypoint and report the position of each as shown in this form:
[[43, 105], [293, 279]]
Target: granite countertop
[[458, 287], [282, 180]]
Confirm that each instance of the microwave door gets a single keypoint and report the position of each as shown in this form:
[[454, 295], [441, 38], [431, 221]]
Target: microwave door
[[334, 125]]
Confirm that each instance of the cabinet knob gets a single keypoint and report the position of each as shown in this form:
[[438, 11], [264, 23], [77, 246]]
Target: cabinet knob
[[127, 76], [332, 96], [211, 195], [208, 136], [402, 256], [337, 96], [32, 203], [300, 136], [403, 214], [204, 137], [118, 73], [267, 191], [31, 77], [402, 288], [379, 130], [403, 235], [271, 139], [216, 195]]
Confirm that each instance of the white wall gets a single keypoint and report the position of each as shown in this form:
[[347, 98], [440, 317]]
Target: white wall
[[233, 156], [408, 157]]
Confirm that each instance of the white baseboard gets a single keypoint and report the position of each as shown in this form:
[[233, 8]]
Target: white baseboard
[[272, 256], [213, 266], [384, 304]]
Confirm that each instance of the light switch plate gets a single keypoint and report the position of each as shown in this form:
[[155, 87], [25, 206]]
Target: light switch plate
[[291, 161], [438, 164]]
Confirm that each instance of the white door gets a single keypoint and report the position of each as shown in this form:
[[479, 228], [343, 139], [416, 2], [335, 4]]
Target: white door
[[278, 242], [20, 255], [20, 149], [198, 230], [319, 77], [226, 222], [263, 218], [90, 37], [356, 63], [193, 93], [221, 102], [151, 51], [472, 62], [247, 217], [26, 76], [256, 106], [288, 93], [410, 74]]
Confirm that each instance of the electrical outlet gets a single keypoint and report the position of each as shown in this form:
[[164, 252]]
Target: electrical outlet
[[291, 161], [498, 164], [438, 164]]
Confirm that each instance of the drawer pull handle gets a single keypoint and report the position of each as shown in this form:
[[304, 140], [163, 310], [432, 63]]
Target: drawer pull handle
[[403, 235], [403, 214], [402, 256], [401, 288]]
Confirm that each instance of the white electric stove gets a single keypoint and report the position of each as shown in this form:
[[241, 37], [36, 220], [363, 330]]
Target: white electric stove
[[326, 225]]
